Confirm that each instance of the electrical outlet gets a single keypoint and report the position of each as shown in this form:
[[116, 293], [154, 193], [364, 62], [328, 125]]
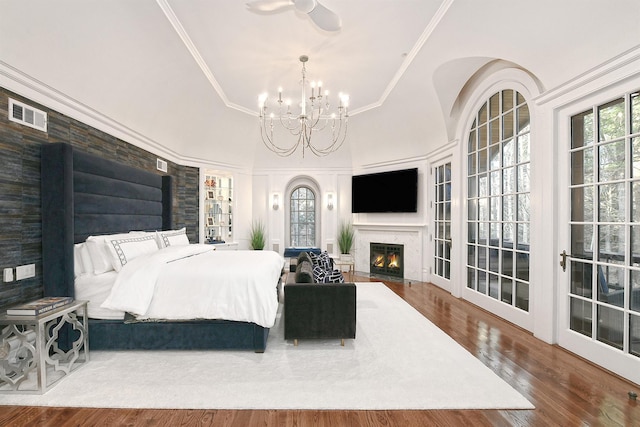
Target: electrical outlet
[[8, 275], [25, 271]]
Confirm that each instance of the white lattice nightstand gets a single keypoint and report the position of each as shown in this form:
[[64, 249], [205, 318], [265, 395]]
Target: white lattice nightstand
[[33, 358]]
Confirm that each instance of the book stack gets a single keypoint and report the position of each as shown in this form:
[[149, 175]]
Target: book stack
[[40, 306]]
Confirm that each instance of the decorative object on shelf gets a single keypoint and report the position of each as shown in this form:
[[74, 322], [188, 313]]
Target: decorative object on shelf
[[346, 237], [315, 116], [257, 237]]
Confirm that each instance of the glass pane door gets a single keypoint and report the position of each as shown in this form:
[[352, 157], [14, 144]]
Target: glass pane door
[[442, 221], [604, 290]]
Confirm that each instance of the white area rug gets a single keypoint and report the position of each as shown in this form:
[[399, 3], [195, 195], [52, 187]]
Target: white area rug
[[399, 360]]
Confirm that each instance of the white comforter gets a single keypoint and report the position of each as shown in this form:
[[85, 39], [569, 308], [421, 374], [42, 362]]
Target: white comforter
[[197, 282]]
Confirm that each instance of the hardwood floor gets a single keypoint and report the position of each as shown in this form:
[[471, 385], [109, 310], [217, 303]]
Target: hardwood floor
[[565, 389]]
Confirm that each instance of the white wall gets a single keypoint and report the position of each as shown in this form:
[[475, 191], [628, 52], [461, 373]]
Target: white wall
[[267, 182]]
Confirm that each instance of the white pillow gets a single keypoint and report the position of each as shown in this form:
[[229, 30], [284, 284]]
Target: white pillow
[[123, 250], [78, 267], [173, 238], [87, 265], [99, 252]]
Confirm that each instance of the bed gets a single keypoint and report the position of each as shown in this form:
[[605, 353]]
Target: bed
[[85, 195]]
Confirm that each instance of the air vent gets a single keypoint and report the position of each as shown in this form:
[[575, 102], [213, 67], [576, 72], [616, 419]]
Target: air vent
[[26, 115], [161, 165]]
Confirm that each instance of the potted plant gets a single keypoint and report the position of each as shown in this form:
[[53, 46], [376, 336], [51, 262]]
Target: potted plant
[[345, 239], [257, 236]]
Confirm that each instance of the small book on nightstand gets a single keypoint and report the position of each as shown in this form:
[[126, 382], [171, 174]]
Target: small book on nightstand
[[37, 307]]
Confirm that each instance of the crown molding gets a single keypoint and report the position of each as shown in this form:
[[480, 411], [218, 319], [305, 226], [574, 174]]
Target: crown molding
[[615, 69]]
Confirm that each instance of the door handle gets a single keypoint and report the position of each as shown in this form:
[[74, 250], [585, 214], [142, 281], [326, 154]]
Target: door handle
[[563, 260]]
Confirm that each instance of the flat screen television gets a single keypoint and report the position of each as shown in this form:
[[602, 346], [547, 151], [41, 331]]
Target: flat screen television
[[394, 191]]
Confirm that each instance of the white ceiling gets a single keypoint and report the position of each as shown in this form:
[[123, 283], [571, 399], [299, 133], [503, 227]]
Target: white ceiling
[[184, 75]]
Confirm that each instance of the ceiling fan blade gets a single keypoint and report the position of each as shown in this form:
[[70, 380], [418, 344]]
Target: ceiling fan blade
[[269, 5], [325, 18]]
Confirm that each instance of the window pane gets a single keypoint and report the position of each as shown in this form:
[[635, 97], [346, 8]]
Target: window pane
[[509, 181], [507, 100], [508, 152], [472, 141], [523, 207], [482, 137], [582, 241], [494, 131], [494, 106], [610, 324], [582, 129], [635, 153], [611, 120], [523, 178], [482, 114], [634, 304], [582, 204], [611, 285], [523, 148], [522, 295], [507, 126], [580, 312], [507, 263], [611, 243], [496, 183], [494, 289], [581, 279], [635, 246], [494, 156], [611, 161], [523, 118], [634, 332], [507, 291], [582, 166], [635, 112], [611, 204]]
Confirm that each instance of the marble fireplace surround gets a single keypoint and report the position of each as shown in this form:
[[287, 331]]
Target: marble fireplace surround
[[411, 236]]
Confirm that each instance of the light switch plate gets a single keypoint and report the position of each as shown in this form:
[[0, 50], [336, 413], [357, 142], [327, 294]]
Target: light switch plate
[[7, 275]]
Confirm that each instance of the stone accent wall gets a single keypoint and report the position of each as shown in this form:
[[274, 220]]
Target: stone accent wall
[[20, 213]]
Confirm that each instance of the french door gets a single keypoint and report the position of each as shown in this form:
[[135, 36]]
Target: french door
[[600, 311], [441, 226]]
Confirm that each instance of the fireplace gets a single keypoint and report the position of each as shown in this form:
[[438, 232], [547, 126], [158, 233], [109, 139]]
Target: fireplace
[[387, 259]]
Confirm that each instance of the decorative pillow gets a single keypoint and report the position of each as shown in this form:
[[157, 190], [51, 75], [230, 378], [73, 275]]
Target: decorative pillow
[[126, 249], [99, 252], [304, 272], [173, 238], [319, 274], [334, 276], [78, 267], [324, 261], [305, 256]]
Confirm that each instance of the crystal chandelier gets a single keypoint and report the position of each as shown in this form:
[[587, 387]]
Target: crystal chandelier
[[315, 116]]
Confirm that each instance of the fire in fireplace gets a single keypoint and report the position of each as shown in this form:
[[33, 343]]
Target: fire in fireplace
[[387, 259]]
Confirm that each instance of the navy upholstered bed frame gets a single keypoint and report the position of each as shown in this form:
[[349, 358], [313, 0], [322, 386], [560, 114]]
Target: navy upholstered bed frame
[[83, 195]]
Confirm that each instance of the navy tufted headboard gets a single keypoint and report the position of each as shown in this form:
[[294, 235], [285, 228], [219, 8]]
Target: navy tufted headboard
[[83, 195]]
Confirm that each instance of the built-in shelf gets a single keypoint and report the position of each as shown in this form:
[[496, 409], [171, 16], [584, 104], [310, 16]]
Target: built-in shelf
[[218, 207]]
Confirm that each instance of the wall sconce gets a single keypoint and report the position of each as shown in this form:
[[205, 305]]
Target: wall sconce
[[276, 202], [330, 201]]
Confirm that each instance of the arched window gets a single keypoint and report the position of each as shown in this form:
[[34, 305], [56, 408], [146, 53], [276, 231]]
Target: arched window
[[498, 187], [302, 217]]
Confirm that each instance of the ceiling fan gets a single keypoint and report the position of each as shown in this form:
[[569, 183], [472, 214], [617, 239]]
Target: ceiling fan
[[324, 18]]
